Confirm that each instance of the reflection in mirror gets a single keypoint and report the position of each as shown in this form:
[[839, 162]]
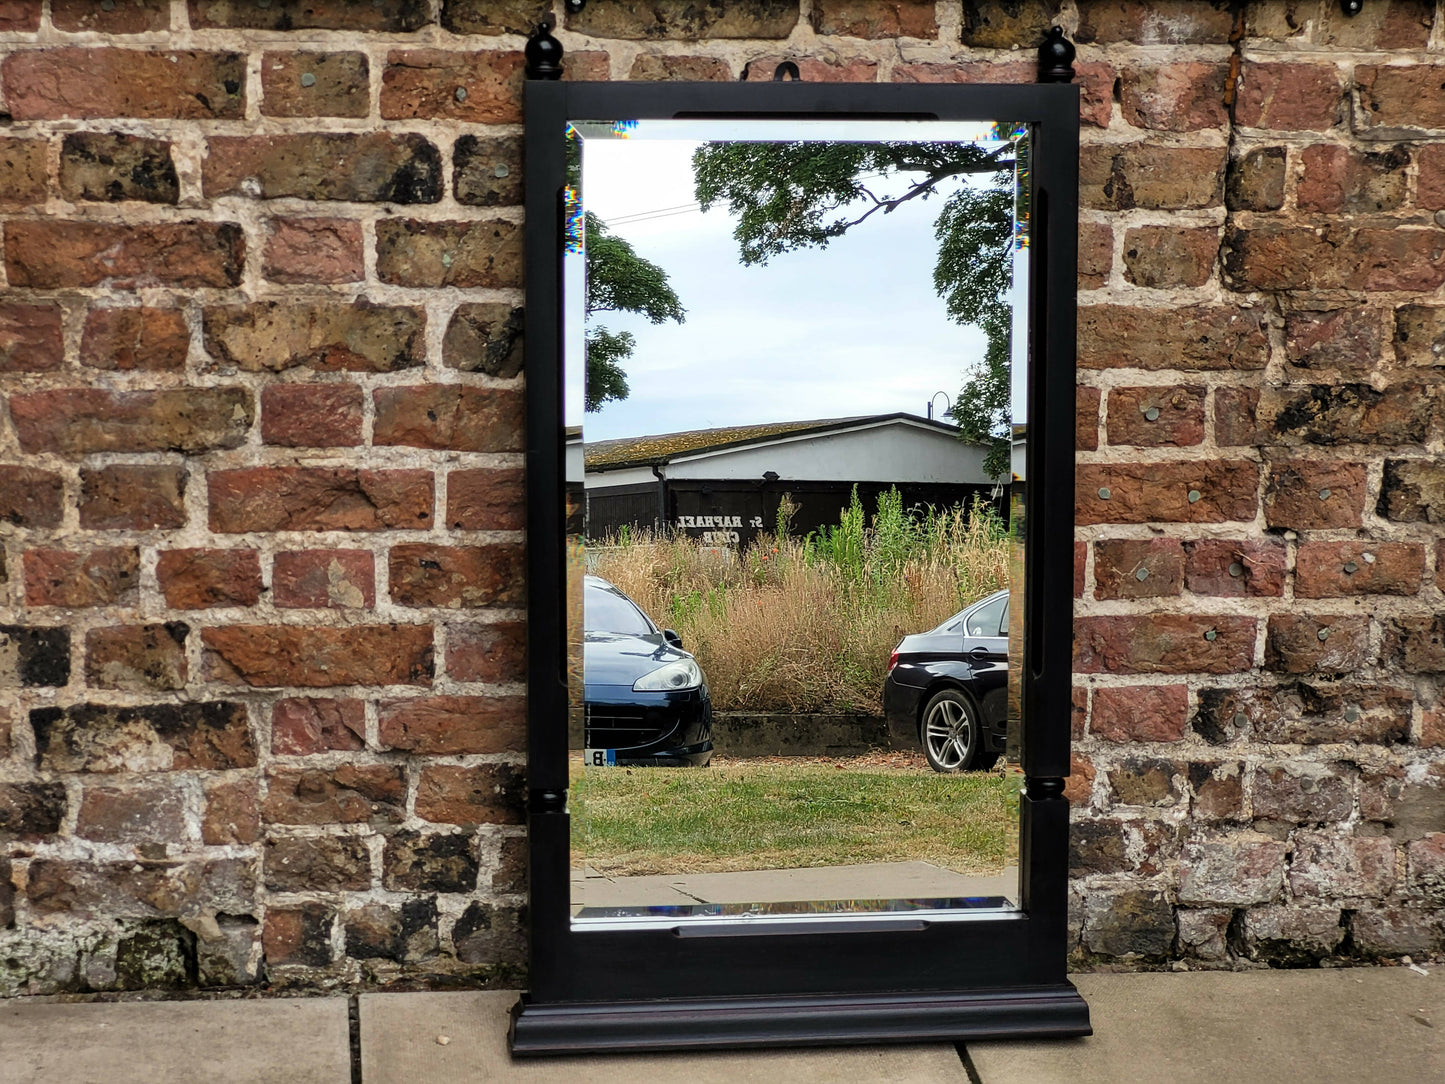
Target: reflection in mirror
[[795, 352]]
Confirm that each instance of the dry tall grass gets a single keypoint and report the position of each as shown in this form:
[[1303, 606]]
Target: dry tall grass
[[807, 625]]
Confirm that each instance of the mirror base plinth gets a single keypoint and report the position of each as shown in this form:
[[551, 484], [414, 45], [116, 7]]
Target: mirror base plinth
[[631, 1027]]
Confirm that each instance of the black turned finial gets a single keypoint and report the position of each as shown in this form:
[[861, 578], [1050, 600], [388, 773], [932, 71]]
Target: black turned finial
[[1056, 58], [1352, 7], [543, 53]]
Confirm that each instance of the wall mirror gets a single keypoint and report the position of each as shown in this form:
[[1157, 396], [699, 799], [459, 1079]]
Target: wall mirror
[[754, 523]]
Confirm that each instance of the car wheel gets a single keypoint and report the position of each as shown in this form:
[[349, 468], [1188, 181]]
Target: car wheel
[[950, 732]]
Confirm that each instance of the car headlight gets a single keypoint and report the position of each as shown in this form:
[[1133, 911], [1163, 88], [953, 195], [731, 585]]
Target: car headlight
[[674, 677]]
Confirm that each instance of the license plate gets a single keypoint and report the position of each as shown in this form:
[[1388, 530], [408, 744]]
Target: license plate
[[599, 758]]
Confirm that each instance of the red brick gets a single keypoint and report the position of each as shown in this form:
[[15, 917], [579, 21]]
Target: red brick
[[272, 336], [1124, 568], [304, 725], [147, 811], [1078, 708], [30, 497], [1406, 97], [293, 655], [1086, 418], [1339, 180], [77, 84], [1096, 254], [1095, 81], [347, 794], [137, 498], [1218, 790], [396, 16], [1235, 569], [1081, 551], [1183, 97], [1318, 494], [485, 253], [127, 17], [1122, 176], [875, 18], [1156, 416], [445, 725], [1159, 643], [486, 499], [298, 936], [1339, 569], [487, 652], [311, 415], [821, 69], [23, 178], [197, 579], [80, 578], [676, 19], [19, 15], [1294, 644], [1235, 414], [150, 888], [1160, 492], [53, 254], [1202, 337], [423, 574], [315, 84], [1289, 97], [651, 68], [324, 579], [1295, 793], [454, 417], [1394, 24], [494, 17], [1347, 341], [137, 658], [1079, 784], [1430, 184], [317, 864], [135, 338], [1140, 712], [1158, 22], [319, 499], [475, 87], [301, 250], [232, 812], [81, 421], [365, 167], [30, 338], [484, 794], [1163, 257], [1301, 258]]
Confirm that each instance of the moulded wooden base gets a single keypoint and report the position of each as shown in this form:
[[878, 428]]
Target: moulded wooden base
[[722, 1023]]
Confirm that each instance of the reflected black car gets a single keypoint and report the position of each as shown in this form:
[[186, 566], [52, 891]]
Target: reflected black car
[[947, 688], [645, 700]]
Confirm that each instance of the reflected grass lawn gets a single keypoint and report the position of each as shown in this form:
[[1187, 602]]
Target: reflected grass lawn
[[787, 814]]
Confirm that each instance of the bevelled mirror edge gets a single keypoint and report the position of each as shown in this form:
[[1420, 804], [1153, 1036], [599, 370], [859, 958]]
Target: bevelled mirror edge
[[576, 984]]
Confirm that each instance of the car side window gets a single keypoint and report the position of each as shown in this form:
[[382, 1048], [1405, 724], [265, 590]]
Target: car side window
[[985, 620], [1003, 621]]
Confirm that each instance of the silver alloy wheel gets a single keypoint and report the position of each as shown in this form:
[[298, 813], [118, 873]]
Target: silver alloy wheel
[[948, 732]]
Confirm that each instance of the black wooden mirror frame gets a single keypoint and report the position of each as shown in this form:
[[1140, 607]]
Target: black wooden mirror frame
[[816, 981]]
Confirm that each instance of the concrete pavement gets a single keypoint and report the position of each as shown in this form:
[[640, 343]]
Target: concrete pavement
[[1260, 1026]]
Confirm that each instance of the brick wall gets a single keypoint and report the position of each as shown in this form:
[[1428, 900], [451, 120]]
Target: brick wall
[[261, 715]]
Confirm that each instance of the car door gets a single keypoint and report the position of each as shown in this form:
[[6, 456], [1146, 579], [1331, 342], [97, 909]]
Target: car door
[[985, 648]]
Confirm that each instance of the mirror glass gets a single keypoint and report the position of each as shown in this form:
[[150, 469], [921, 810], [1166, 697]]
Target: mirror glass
[[795, 356]]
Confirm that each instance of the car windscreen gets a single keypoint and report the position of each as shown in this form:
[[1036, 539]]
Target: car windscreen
[[608, 611]]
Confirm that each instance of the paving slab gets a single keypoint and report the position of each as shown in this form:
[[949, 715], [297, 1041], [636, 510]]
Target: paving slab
[[400, 1032], [297, 1040], [1255, 1027]]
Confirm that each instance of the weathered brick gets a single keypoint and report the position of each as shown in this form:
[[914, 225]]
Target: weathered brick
[[1128, 923], [1156, 416], [1140, 712], [1124, 568], [317, 863], [1305, 644], [1403, 98], [19, 16], [311, 415], [875, 18], [197, 579], [80, 578], [405, 934], [232, 813], [484, 794], [635, 20], [1396, 930], [1333, 866], [821, 69], [80, 421], [1099, 846], [455, 417], [298, 936], [485, 933], [455, 577], [1235, 870], [178, 736], [430, 862], [485, 337], [1255, 181], [1301, 258], [1412, 491], [1337, 180], [30, 338], [487, 652], [324, 579], [112, 166], [1420, 334], [1416, 642], [1086, 418], [30, 811], [77, 84], [1182, 97], [1347, 341], [1234, 569], [1081, 551], [1304, 793], [22, 171], [1160, 643], [303, 725], [145, 811], [487, 172], [1002, 26], [131, 17], [346, 794], [1432, 723], [1218, 790], [394, 17], [486, 499], [366, 167], [315, 84], [1410, 808], [444, 725], [1236, 417], [1146, 781], [326, 250], [1094, 79], [273, 336], [135, 338], [1204, 931], [1169, 256], [485, 253], [1305, 714], [143, 888], [493, 17], [1430, 182], [1203, 337], [1395, 24], [319, 499], [1349, 413], [1289, 97], [1425, 874], [1159, 22], [1292, 934], [1314, 494], [1340, 569], [54, 254], [474, 87], [137, 658], [128, 497], [34, 655], [294, 655], [1096, 254], [510, 872], [1161, 492], [30, 497], [1080, 782]]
